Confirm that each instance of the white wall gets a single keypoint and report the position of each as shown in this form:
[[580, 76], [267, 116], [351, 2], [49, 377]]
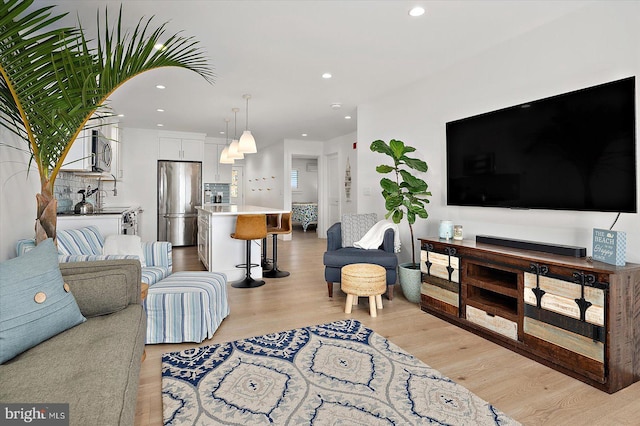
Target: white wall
[[265, 182], [18, 189], [598, 43]]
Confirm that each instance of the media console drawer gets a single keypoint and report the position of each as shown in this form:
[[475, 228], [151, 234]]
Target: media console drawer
[[493, 322]]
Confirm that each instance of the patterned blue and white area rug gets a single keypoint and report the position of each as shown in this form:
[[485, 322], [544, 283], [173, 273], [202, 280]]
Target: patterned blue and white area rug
[[336, 373]]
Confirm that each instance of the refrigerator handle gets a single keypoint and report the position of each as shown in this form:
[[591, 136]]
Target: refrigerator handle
[[167, 223], [162, 187]]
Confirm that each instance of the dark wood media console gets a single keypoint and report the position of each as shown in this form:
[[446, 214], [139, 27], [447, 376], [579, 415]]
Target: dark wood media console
[[579, 317]]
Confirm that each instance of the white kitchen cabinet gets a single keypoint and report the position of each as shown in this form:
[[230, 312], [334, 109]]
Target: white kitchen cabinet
[[180, 149], [212, 170], [224, 170]]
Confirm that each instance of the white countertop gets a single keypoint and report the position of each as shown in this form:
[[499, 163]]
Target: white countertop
[[234, 210]]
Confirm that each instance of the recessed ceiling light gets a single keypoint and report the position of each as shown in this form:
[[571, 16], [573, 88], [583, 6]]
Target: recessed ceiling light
[[160, 125], [336, 105], [160, 110], [304, 134], [222, 132], [120, 115], [326, 75], [347, 117], [159, 46], [160, 86], [416, 11]]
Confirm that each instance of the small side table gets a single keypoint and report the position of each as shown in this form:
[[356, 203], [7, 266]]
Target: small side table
[[144, 290], [363, 279]]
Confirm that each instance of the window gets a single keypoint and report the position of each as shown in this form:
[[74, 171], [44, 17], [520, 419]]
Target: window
[[294, 178]]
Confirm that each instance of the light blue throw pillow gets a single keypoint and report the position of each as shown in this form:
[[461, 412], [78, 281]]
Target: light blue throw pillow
[[34, 304]]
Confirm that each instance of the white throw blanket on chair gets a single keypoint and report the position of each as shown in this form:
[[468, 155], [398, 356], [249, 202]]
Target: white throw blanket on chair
[[374, 236]]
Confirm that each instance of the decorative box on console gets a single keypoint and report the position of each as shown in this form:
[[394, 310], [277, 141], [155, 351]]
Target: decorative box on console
[[609, 246]]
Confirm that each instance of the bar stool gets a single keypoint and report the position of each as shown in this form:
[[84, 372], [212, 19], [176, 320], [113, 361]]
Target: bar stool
[[274, 231], [249, 227], [273, 221]]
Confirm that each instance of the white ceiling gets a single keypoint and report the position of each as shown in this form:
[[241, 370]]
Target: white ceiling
[[277, 51]]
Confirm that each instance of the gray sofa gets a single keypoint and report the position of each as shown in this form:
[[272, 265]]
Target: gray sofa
[[93, 366]]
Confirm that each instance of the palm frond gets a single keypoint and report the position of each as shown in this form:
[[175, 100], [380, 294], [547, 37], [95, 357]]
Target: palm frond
[[53, 81]]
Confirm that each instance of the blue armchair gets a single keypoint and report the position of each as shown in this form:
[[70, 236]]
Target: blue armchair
[[338, 256]]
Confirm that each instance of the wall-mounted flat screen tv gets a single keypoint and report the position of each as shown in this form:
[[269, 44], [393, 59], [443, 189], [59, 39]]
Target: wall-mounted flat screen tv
[[574, 151]]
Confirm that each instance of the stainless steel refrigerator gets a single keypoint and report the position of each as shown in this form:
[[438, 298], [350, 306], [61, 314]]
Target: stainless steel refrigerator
[[179, 192]]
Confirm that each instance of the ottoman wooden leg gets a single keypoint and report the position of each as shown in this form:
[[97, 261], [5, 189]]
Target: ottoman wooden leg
[[347, 306], [372, 306], [379, 301]]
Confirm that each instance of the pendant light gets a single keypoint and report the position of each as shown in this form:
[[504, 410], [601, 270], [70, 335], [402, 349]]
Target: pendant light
[[224, 156], [247, 144], [233, 148]]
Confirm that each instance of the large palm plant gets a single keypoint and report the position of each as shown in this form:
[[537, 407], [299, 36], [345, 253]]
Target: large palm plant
[[52, 82]]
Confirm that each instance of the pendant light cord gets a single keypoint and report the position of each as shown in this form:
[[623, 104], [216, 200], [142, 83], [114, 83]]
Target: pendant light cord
[[235, 125], [247, 97]]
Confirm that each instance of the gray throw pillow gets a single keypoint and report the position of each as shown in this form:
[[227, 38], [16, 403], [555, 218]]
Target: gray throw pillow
[[354, 226], [99, 293], [34, 302]]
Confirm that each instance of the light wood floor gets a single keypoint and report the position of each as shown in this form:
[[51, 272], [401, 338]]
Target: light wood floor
[[527, 391]]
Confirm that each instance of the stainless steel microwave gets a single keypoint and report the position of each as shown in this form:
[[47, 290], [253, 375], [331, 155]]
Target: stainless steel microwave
[[100, 152]]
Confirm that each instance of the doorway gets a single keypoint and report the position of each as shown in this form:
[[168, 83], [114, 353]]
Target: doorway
[[304, 192]]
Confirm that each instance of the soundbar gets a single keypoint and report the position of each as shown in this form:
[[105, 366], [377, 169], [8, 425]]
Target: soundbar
[[533, 245]]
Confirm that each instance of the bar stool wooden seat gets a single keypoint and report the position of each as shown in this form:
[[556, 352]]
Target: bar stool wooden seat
[[249, 227], [284, 227]]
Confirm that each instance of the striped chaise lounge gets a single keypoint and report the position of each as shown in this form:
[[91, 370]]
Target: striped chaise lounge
[[181, 307]]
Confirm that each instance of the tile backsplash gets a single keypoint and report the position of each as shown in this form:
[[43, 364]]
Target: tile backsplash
[[212, 189], [66, 190]]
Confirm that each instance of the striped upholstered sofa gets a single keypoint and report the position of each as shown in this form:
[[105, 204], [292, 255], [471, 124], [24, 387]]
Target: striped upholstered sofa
[[180, 307], [84, 244]]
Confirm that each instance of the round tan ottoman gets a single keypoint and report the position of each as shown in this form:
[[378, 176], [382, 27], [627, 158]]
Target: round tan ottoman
[[364, 279]]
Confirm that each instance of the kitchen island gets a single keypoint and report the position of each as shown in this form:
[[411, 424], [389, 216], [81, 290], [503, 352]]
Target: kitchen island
[[217, 250]]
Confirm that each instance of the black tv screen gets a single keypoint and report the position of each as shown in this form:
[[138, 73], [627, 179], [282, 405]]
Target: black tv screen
[[574, 151]]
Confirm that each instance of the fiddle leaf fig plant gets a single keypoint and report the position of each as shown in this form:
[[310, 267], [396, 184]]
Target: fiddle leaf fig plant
[[404, 193]]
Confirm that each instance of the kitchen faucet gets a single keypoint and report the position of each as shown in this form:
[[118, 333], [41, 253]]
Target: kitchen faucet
[[90, 191], [115, 183], [101, 194]]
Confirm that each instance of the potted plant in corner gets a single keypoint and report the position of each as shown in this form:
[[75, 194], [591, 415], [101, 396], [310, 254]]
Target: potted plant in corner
[[406, 195]]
